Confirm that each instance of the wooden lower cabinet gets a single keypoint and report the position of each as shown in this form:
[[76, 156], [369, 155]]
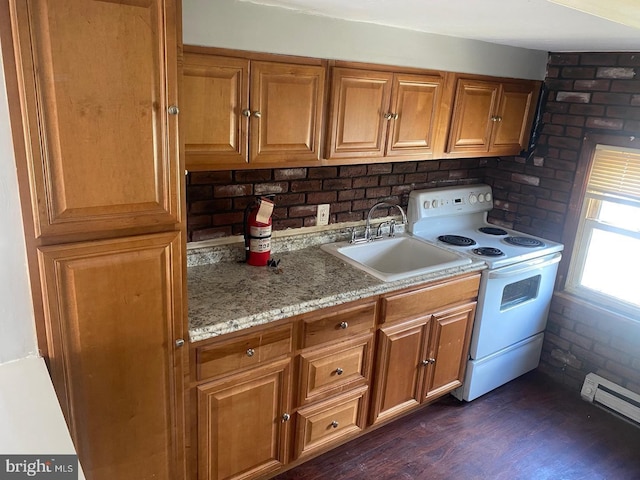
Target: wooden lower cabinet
[[399, 373], [243, 423], [422, 345], [448, 347], [114, 312], [257, 417]]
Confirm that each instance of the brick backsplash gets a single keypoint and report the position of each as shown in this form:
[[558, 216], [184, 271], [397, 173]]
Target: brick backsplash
[[216, 200]]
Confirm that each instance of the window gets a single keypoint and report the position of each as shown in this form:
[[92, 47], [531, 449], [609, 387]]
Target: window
[[606, 254]]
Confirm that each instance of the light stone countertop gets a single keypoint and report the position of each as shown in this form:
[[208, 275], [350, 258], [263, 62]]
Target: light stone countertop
[[229, 296]]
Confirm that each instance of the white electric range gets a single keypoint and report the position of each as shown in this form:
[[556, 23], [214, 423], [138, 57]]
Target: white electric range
[[515, 290]]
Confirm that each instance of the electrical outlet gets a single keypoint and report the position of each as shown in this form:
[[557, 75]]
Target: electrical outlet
[[323, 214]]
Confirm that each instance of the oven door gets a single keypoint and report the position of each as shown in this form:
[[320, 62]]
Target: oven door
[[513, 304]]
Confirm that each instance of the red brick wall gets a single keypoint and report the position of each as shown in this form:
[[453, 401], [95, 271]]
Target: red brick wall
[[588, 92], [216, 200]]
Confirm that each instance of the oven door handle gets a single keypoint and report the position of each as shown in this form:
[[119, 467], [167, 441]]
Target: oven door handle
[[528, 266]]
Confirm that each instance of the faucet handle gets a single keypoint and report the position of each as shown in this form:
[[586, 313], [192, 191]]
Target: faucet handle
[[392, 228]]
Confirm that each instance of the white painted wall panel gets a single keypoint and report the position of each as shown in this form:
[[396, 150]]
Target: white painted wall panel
[[246, 26], [17, 328]]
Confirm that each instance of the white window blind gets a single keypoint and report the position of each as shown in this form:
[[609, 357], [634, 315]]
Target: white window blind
[[615, 171]]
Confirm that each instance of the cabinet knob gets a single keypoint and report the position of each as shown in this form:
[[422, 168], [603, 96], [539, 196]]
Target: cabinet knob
[[343, 325], [334, 424], [179, 342], [388, 116], [286, 417], [339, 371], [395, 116], [257, 114], [173, 110], [250, 352], [428, 361], [246, 112], [499, 118]]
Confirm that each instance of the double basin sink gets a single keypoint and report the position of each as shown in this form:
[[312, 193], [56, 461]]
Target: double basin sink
[[396, 258]]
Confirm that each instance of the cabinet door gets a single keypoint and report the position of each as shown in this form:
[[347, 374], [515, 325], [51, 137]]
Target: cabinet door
[[359, 102], [448, 350], [241, 432], [96, 82], [399, 372], [113, 313], [471, 125], [215, 91], [415, 105], [514, 116], [286, 105]]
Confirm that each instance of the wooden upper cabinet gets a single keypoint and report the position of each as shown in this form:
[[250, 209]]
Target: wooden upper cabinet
[[286, 112], [378, 114], [96, 81], [515, 114], [415, 106], [491, 117], [114, 312], [216, 91], [474, 105], [359, 102], [239, 112]]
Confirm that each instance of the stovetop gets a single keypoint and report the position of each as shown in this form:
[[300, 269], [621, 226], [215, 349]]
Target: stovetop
[[459, 214]]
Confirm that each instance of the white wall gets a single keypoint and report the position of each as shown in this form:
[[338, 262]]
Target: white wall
[[246, 26], [17, 328]]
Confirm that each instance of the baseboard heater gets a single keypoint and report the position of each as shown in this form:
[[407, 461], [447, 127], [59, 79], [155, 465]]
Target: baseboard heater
[[612, 397]]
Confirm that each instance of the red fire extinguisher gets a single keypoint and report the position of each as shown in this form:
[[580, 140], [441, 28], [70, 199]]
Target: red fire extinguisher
[[257, 232]]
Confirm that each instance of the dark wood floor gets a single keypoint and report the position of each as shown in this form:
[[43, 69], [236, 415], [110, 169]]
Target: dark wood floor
[[529, 429]]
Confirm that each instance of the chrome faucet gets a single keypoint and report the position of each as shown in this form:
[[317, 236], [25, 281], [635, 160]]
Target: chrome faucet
[[367, 229]]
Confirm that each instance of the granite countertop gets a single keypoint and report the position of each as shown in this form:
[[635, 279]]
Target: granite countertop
[[229, 296]]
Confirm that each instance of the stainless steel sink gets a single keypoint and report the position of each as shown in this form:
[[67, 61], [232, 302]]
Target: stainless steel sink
[[396, 258]]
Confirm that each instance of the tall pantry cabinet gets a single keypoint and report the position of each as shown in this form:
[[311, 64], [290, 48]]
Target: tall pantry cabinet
[[93, 101]]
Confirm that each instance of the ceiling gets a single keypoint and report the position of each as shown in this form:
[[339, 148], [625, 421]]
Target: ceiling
[[549, 25]]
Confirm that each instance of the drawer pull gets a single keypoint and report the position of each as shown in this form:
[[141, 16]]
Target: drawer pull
[[343, 325], [286, 417], [251, 352], [339, 371], [334, 424]]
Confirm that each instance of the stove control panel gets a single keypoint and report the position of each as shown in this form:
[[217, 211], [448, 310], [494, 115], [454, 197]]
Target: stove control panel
[[449, 201]]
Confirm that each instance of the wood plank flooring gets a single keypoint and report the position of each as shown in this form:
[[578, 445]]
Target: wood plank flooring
[[530, 429]]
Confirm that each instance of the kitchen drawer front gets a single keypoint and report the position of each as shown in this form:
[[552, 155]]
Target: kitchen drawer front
[[429, 299], [247, 351], [333, 370], [339, 325], [334, 420]]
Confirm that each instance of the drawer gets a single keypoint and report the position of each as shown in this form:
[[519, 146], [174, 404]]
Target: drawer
[[322, 424], [429, 299], [243, 352], [332, 370], [341, 324]]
